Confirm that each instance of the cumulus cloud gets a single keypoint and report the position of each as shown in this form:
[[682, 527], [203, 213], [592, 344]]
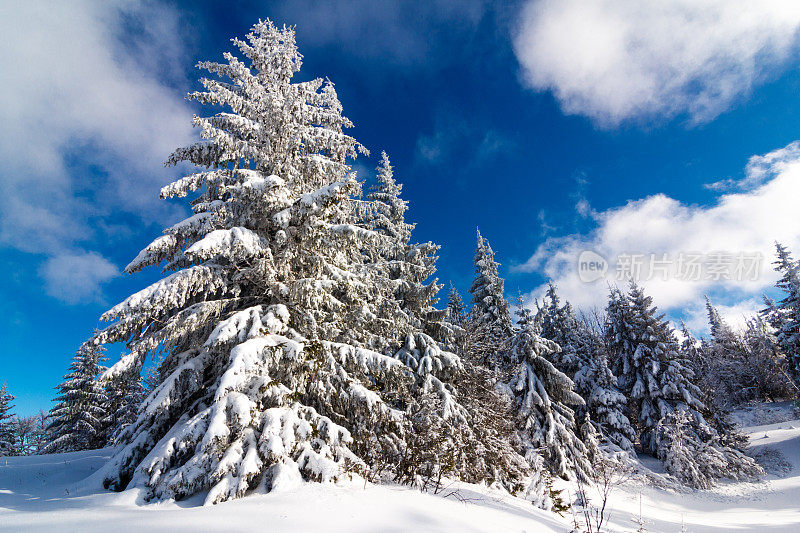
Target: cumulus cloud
[[77, 277], [627, 60], [88, 114], [665, 230]]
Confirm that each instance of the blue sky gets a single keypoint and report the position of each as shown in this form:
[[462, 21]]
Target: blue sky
[[555, 127]]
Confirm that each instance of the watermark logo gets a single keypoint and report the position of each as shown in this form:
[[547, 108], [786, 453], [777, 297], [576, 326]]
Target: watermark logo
[[682, 266], [591, 266]]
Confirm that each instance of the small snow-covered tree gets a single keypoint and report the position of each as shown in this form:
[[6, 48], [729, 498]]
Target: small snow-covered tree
[[543, 396], [76, 422], [497, 456], [455, 307], [29, 434], [457, 336], [525, 315], [725, 374], [6, 422], [490, 320], [695, 455], [784, 315]]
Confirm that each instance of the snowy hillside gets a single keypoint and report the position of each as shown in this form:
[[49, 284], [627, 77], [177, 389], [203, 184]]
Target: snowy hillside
[[48, 493]]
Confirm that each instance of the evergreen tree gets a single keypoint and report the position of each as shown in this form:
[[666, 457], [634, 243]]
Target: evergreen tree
[[784, 316], [455, 307], [582, 357], [561, 325], [765, 363], [458, 336], [76, 421], [273, 329], [605, 404], [658, 384], [124, 394], [655, 378], [6, 422], [525, 316], [490, 320], [692, 350], [725, 378], [543, 396], [407, 265]]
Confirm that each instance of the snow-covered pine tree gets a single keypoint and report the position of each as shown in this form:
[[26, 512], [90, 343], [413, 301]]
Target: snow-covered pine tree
[[765, 362], [619, 336], [692, 351], [560, 325], [407, 265], [654, 376], [457, 319], [455, 307], [605, 404], [658, 382], [583, 359], [76, 422], [524, 314], [726, 380], [490, 324], [784, 316], [124, 395], [497, 450], [274, 325], [694, 454], [6, 422], [543, 396]]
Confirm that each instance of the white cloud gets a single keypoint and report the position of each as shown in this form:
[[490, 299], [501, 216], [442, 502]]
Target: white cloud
[[631, 60], [748, 222], [84, 81], [88, 117], [77, 278]]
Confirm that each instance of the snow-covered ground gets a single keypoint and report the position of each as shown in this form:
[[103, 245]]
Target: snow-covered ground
[[47, 493]]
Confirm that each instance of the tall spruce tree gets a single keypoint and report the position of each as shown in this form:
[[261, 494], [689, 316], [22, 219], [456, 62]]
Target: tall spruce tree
[[605, 404], [407, 265], [77, 421], [124, 395], [653, 376], [490, 320], [561, 325], [273, 329], [543, 396], [658, 383], [784, 316], [583, 359], [6, 422]]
